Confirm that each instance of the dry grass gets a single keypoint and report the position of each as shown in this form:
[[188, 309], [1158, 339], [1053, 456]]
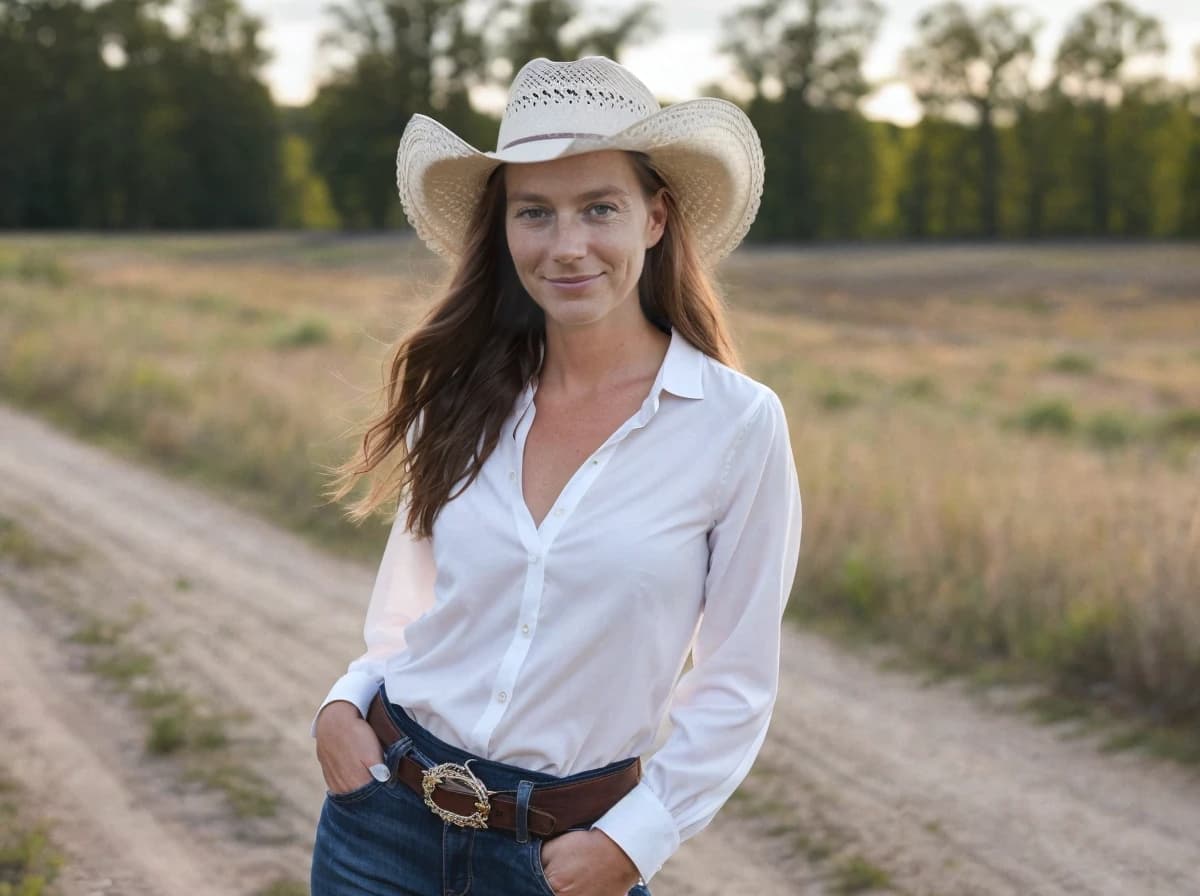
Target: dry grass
[[999, 447]]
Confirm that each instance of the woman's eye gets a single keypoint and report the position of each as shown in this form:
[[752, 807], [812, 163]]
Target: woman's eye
[[530, 213], [608, 210]]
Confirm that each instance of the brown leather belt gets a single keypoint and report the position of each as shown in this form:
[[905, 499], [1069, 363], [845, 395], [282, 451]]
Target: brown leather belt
[[553, 808]]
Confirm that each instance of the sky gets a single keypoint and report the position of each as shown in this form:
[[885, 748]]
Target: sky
[[677, 63]]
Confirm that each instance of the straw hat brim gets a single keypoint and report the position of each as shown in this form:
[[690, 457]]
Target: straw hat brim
[[706, 148]]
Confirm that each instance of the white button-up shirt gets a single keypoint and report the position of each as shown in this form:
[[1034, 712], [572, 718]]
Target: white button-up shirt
[[558, 647]]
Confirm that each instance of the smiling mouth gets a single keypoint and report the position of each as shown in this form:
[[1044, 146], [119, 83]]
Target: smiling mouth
[[572, 280]]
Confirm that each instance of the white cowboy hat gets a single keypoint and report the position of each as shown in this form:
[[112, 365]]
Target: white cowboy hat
[[706, 148]]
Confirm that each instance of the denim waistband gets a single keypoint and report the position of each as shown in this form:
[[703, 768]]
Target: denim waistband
[[432, 750]]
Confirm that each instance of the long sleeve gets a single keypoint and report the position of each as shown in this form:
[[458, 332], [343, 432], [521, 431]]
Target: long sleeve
[[404, 589], [722, 706]]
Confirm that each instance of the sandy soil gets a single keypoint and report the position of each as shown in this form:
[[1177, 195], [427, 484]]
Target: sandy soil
[[949, 792]]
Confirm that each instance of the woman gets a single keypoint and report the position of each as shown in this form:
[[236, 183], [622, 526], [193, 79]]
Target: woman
[[589, 491]]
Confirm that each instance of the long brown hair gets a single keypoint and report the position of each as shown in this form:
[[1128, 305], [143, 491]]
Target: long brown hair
[[461, 370]]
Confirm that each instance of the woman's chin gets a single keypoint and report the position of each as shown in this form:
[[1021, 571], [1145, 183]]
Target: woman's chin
[[574, 312]]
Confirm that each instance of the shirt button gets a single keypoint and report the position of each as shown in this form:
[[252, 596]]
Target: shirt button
[[560, 511], [525, 629], [534, 558], [594, 462], [502, 696], [512, 474]]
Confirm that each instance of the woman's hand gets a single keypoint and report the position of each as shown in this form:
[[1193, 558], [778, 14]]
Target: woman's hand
[[347, 747], [587, 863]]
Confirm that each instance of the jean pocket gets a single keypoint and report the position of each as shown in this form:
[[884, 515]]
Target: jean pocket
[[535, 864], [355, 795], [391, 758]]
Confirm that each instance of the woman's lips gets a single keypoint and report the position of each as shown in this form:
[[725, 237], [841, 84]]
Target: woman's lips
[[574, 283]]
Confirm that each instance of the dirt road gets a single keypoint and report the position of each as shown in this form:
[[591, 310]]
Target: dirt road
[[942, 791]]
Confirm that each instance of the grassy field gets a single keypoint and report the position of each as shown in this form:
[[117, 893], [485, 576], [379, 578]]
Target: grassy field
[[998, 447]]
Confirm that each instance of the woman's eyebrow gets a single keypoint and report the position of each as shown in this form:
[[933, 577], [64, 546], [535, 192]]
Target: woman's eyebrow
[[582, 197]]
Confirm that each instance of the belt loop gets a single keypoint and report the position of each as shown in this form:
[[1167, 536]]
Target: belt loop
[[394, 753], [524, 792]]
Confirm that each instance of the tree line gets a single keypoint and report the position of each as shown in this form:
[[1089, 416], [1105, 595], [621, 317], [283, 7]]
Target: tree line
[[154, 113]]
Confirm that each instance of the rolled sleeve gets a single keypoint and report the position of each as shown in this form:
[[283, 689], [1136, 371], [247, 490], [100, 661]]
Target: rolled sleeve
[[722, 705]]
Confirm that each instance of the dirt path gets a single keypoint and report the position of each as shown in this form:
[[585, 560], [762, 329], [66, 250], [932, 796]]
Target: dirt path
[[945, 792]]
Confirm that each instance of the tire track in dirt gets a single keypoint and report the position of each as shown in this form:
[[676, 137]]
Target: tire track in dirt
[[81, 778], [954, 792], [948, 791]]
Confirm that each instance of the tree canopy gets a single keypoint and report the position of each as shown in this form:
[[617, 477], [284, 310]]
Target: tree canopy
[[155, 113]]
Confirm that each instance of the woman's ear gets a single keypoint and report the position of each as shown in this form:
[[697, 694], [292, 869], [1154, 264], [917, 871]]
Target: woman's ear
[[656, 219]]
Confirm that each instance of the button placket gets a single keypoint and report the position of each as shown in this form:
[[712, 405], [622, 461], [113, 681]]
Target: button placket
[[538, 542], [504, 686]]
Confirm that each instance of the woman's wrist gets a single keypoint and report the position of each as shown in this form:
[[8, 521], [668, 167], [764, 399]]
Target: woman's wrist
[[338, 708], [620, 858]]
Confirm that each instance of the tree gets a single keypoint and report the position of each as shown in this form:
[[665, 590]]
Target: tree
[[398, 58], [403, 57], [811, 49], [1091, 68], [541, 27], [119, 121], [49, 75], [803, 61], [980, 64], [1189, 212]]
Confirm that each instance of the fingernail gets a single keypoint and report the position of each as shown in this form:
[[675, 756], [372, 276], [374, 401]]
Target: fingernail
[[380, 771]]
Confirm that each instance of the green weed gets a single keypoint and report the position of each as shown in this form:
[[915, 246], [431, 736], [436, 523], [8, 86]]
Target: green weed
[[835, 398], [1180, 424], [310, 331], [19, 547], [1109, 429], [861, 585], [284, 887], [1072, 362], [924, 387], [34, 266], [856, 875], [123, 665], [29, 860], [1048, 415], [99, 632], [249, 794]]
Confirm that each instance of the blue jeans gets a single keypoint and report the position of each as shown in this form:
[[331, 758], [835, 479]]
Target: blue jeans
[[382, 840]]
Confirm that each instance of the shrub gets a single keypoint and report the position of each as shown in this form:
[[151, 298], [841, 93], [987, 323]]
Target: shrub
[[836, 398], [311, 331], [1109, 430], [1072, 362], [1050, 415], [35, 267], [919, 387], [1181, 424]]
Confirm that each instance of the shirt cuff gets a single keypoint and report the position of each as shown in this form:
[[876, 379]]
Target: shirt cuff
[[643, 827], [357, 687]]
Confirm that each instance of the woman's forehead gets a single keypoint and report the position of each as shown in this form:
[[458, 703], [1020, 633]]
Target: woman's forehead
[[579, 174]]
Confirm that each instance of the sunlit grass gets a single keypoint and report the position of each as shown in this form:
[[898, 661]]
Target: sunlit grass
[[999, 450]]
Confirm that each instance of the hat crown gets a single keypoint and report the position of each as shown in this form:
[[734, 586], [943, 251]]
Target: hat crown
[[589, 97]]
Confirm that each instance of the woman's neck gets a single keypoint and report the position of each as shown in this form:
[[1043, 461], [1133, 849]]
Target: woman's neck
[[581, 362]]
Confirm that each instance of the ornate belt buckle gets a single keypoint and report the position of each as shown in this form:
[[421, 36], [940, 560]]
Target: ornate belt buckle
[[454, 773]]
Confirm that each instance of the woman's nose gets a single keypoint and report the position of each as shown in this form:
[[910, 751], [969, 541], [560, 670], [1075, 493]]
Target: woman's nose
[[570, 242]]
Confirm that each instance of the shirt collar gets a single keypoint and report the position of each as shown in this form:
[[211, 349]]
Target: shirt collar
[[681, 373], [682, 368]]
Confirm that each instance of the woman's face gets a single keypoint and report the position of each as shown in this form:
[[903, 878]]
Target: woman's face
[[578, 229]]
